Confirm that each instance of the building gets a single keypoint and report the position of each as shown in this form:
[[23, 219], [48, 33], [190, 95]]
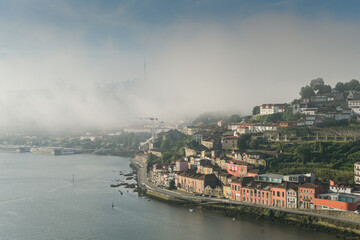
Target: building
[[205, 167], [238, 168], [307, 193], [300, 178], [337, 201], [292, 196], [247, 190], [288, 124], [229, 142], [181, 165], [357, 173], [216, 191], [267, 109], [209, 142], [269, 178], [156, 152], [279, 194], [193, 182]]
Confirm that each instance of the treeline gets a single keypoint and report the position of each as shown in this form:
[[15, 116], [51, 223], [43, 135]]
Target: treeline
[[124, 141], [318, 86]]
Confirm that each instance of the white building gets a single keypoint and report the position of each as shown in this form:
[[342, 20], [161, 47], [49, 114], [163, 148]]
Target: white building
[[267, 109], [357, 173]]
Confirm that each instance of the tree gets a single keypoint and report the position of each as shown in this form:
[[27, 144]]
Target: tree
[[316, 84], [152, 158], [354, 85], [304, 153], [340, 87], [243, 142], [235, 118], [256, 110], [306, 92], [254, 144], [324, 89]]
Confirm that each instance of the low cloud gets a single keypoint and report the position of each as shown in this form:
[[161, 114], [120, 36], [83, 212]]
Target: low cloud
[[191, 67]]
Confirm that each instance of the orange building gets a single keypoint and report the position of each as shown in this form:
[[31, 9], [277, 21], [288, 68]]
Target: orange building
[[307, 193], [278, 192], [326, 204], [249, 191]]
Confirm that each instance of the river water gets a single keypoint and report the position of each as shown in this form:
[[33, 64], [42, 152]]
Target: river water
[[40, 200]]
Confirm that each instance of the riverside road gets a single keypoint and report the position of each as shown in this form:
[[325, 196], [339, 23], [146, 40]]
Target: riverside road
[[144, 183]]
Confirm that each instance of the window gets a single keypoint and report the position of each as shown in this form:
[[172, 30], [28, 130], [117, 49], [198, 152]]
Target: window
[[273, 193], [282, 194], [278, 193]]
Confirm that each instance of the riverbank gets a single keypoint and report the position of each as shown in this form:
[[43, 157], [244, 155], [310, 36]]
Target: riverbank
[[342, 228]]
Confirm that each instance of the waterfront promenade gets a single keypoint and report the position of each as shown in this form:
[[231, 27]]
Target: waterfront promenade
[[143, 183]]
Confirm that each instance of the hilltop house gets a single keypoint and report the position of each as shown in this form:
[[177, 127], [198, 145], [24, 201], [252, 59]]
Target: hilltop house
[[267, 109]]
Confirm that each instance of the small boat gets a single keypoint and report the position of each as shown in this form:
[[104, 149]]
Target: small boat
[[112, 205], [191, 210], [233, 219]]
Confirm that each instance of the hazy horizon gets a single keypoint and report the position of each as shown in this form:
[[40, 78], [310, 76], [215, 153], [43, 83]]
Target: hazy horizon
[[68, 65]]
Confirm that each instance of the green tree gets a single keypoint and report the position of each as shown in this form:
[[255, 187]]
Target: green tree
[[317, 84], [254, 144], [306, 92], [354, 85], [235, 118], [243, 142], [152, 158], [304, 153], [340, 87], [324, 89], [256, 110]]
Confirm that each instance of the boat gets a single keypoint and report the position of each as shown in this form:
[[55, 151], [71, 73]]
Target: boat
[[191, 210]]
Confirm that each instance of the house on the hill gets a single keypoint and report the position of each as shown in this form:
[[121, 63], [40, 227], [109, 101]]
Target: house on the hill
[[267, 109]]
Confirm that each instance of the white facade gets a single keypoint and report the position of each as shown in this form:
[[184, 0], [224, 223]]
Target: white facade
[[357, 173], [267, 109]]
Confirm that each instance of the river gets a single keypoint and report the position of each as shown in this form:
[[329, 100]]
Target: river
[[40, 200]]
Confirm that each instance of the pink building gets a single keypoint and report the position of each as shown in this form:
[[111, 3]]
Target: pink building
[[238, 168], [181, 165], [194, 182]]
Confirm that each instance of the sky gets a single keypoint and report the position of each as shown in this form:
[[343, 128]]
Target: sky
[[82, 64]]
